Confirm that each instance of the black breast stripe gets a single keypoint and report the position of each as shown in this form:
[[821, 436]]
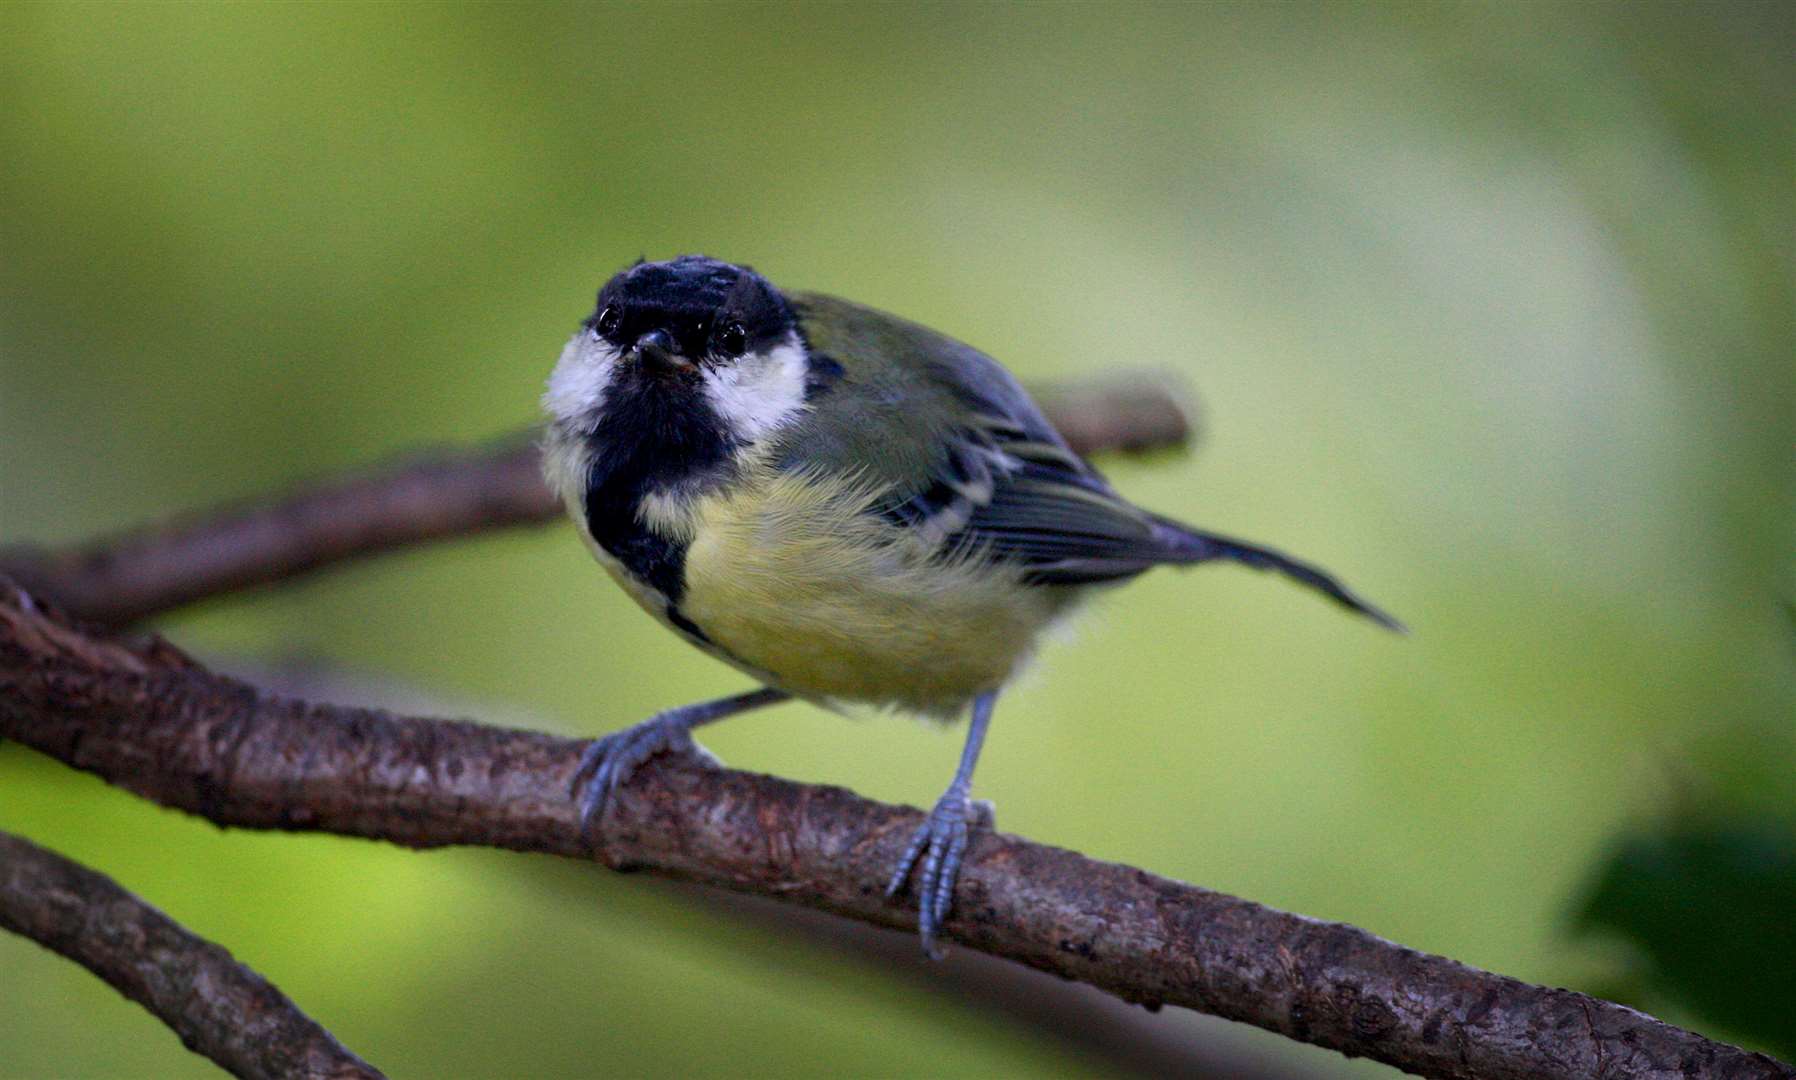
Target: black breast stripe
[[648, 440], [679, 619]]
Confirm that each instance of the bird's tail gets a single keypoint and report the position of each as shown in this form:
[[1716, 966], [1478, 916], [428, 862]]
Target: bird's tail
[[1191, 546]]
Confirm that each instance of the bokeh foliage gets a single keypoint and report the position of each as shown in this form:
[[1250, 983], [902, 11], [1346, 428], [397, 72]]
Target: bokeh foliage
[[1707, 906], [1490, 307]]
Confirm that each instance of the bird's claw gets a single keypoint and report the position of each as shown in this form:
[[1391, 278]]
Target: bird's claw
[[611, 761], [940, 842]]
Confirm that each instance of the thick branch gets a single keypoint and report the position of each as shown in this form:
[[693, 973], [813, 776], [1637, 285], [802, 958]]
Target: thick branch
[[121, 579], [217, 1006], [1086, 1022], [150, 720]]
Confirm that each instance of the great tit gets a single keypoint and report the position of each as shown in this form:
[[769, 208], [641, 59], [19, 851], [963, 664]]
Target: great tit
[[843, 505]]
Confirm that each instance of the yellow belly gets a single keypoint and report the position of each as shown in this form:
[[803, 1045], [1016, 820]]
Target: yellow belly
[[791, 576]]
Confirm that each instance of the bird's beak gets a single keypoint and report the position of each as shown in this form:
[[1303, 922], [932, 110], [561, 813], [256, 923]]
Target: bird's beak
[[655, 351]]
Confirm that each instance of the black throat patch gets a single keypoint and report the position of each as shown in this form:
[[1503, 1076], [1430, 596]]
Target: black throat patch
[[653, 435]]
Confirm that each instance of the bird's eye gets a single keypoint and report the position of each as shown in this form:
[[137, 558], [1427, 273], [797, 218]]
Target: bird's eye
[[731, 338], [608, 320]]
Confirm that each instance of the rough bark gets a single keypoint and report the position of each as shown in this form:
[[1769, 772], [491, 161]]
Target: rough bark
[[146, 717]]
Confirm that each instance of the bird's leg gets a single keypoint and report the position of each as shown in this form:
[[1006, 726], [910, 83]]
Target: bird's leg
[[608, 762], [942, 838]]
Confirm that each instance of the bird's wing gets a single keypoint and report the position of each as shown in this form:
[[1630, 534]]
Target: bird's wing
[[1035, 504], [960, 453]]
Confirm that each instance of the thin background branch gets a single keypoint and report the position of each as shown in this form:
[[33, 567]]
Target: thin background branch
[[445, 494], [146, 717], [217, 1006]]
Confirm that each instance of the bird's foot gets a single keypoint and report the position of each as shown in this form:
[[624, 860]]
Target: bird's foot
[[610, 761], [940, 842]]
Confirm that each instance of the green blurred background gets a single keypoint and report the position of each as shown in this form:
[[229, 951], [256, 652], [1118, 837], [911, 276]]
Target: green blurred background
[[1489, 306]]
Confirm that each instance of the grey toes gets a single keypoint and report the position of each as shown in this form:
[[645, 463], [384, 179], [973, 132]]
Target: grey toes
[[940, 842], [609, 762]]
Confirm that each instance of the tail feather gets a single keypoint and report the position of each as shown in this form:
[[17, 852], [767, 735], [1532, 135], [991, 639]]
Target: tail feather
[[1192, 546]]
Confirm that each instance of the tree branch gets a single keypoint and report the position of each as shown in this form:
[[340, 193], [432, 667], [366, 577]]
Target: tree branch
[[149, 719], [1086, 1021], [1083, 1020], [217, 1006], [119, 580]]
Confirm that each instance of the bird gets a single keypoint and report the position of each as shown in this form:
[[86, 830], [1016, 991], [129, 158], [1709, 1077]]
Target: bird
[[848, 507]]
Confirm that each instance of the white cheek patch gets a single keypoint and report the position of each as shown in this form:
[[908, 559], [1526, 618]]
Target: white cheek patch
[[761, 392], [576, 392]]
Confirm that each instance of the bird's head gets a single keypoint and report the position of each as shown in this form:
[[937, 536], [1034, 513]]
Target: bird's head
[[707, 341]]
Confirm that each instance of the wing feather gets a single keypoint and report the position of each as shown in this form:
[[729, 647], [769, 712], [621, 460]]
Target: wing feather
[[962, 456], [965, 458], [1034, 504]]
